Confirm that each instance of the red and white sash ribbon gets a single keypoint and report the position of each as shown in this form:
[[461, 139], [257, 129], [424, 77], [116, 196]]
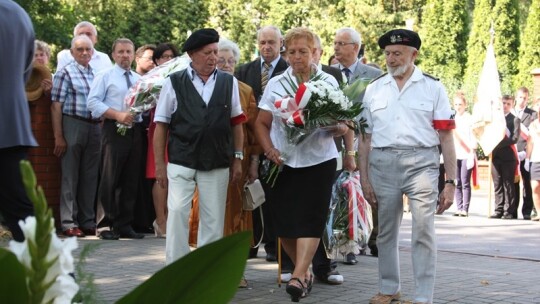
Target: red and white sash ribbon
[[291, 109], [359, 209]]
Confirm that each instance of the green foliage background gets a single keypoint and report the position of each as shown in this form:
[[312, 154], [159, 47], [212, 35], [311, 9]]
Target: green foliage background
[[455, 33]]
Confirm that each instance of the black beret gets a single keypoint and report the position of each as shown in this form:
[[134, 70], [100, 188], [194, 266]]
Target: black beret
[[200, 38], [400, 36]]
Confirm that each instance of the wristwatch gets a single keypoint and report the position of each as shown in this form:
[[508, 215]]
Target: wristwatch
[[239, 155], [450, 181]]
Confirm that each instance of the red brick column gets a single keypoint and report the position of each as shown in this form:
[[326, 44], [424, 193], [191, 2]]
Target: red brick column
[[46, 165]]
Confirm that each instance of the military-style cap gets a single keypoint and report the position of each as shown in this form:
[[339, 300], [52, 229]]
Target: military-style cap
[[200, 38], [400, 36]]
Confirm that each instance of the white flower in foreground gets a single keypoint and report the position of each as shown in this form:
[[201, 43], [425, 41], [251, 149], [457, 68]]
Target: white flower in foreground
[[64, 287]]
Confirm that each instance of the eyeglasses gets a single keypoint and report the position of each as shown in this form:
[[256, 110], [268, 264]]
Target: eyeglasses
[[229, 61], [341, 43], [166, 57]]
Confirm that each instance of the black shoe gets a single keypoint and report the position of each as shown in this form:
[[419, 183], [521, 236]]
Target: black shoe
[[108, 235], [130, 234], [526, 217], [350, 259], [507, 217], [253, 253], [89, 231], [271, 257], [496, 215], [374, 250]]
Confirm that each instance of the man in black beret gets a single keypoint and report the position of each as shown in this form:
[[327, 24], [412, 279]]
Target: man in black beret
[[199, 108], [408, 116]]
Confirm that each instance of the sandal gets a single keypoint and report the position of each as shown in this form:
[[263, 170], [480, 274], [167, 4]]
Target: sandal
[[295, 291], [309, 283]]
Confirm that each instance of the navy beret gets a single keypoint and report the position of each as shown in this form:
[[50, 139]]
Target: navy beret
[[400, 36], [200, 38]]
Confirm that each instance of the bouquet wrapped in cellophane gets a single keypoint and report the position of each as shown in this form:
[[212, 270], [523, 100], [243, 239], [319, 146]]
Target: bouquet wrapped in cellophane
[[143, 96], [350, 221], [311, 106]]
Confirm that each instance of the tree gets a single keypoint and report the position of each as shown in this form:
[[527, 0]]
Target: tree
[[529, 52], [476, 46], [506, 24], [444, 41]]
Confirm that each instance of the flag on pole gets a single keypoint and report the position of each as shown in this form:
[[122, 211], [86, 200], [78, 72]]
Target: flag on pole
[[489, 125]]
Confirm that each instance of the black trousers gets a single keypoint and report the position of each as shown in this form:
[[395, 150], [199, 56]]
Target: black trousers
[[14, 203], [504, 188], [120, 170], [269, 235], [527, 207]]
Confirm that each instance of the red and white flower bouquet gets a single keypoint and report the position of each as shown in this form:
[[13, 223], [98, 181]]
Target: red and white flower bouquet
[[143, 96]]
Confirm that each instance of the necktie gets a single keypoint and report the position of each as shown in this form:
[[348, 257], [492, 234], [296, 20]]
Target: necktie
[[128, 81], [347, 74], [264, 75]]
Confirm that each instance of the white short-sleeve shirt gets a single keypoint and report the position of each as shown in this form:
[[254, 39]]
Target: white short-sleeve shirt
[[404, 118]]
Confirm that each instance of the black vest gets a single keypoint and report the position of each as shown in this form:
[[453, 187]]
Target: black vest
[[200, 135]]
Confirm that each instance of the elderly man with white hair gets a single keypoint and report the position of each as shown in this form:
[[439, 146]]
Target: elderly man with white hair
[[99, 61], [76, 140]]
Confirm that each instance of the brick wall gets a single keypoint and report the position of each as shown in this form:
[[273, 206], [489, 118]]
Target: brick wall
[[46, 165]]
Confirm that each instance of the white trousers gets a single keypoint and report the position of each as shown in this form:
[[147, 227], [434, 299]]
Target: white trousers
[[212, 186], [412, 172]]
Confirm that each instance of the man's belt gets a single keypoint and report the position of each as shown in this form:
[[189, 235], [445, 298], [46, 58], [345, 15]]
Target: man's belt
[[88, 120], [401, 148]]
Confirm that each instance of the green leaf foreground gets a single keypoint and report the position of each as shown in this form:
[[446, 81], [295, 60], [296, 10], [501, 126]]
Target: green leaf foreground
[[210, 274], [44, 226], [13, 279]]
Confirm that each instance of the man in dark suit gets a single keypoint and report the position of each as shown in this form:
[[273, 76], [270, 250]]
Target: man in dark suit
[[269, 40], [526, 115], [17, 49], [505, 162], [256, 74]]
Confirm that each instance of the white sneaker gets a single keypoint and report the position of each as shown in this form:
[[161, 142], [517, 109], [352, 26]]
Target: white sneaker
[[286, 277], [332, 278]]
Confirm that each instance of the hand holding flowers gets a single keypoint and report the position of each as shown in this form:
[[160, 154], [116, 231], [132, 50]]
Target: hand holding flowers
[[143, 96]]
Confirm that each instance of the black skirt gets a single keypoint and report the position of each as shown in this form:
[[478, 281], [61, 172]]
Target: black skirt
[[300, 199]]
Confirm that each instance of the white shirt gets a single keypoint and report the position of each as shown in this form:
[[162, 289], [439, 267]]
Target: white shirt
[[404, 118], [534, 133], [108, 90], [318, 147], [167, 103], [463, 136], [99, 62]]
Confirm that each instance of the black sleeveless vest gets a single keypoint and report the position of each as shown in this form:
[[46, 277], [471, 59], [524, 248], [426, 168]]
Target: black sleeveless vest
[[200, 135]]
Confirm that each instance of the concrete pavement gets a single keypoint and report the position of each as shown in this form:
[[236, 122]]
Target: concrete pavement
[[480, 260]]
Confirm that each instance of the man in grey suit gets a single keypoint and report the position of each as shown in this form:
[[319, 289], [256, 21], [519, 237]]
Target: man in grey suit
[[17, 49], [256, 74], [347, 44]]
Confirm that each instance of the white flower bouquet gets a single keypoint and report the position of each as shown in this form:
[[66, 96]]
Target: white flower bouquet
[[310, 106]]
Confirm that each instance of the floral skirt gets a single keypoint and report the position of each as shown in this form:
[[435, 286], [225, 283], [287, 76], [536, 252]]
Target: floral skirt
[[300, 199]]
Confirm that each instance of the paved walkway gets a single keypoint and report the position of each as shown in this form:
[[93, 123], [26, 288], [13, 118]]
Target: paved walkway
[[480, 260]]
